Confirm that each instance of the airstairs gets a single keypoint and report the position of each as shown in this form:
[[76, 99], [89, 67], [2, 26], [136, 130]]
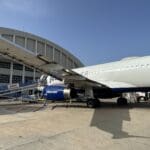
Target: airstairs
[[9, 90]]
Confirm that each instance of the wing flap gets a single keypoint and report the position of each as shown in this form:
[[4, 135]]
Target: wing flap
[[114, 84]]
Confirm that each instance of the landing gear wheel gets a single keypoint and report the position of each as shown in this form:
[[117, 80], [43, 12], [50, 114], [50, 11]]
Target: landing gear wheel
[[141, 98], [93, 103], [122, 101]]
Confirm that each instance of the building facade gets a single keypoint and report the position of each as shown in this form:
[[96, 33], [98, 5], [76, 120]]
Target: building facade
[[12, 72]]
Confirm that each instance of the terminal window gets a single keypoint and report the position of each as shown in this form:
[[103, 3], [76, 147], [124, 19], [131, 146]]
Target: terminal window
[[5, 65], [4, 78], [16, 79], [17, 66]]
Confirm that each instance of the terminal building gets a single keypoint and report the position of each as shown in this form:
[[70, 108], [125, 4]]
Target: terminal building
[[14, 72]]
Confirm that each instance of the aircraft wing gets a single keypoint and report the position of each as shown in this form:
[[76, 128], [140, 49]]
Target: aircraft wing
[[79, 80], [70, 76]]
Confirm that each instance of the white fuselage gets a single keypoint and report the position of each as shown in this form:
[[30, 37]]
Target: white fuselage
[[134, 72]]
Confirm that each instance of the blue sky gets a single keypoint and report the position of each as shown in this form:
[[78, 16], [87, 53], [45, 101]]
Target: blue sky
[[96, 31]]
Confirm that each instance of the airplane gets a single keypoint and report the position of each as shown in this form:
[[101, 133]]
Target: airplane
[[98, 81], [104, 81]]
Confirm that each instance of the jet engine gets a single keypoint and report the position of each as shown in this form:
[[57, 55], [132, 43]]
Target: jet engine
[[58, 93]]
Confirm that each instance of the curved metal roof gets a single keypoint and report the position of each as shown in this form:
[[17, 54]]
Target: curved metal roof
[[40, 45]]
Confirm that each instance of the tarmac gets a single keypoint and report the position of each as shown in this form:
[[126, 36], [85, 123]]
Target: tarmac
[[75, 127]]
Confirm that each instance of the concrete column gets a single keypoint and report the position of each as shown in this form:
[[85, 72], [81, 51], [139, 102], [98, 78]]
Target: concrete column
[[67, 62], [23, 74], [25, 43], [60, 61], [34, 72], [45, 49], [36, 52], [14, 38], [53, 53], [11, 72]]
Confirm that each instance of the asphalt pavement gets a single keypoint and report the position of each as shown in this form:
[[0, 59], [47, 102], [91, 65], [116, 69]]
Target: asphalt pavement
[[74, 127]]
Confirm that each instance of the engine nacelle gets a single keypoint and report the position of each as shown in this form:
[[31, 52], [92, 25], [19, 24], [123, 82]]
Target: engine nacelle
[[58, 93]]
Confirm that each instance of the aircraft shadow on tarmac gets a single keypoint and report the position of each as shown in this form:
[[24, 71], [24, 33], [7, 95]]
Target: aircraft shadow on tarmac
[[110, 119]]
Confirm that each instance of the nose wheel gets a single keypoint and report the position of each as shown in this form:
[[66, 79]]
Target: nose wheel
[[93, 103]]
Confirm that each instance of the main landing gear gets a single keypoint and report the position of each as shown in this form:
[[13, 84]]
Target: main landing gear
[[90, 100], [121, 101], [93, 103]]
